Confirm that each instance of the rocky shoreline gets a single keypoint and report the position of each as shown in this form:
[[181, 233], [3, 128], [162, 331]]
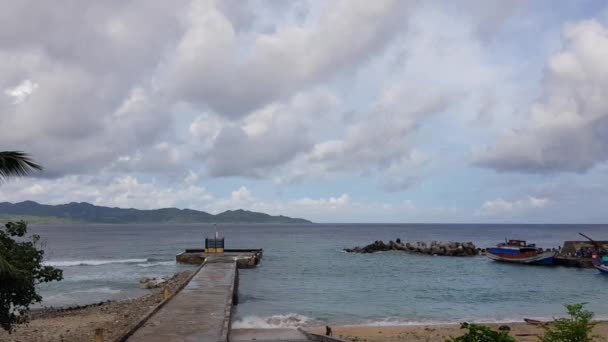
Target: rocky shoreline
[[431, 248], [78, 323]]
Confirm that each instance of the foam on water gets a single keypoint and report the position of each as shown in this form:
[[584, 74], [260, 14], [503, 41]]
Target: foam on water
[[159, 263], [69, 263], [107, 290], [290, 320]]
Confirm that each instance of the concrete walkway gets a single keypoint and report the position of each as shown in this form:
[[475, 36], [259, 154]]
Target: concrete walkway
[[200, 312], [267, 335]]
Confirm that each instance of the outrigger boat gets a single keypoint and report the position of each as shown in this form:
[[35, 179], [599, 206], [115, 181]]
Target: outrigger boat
[[518, 251]]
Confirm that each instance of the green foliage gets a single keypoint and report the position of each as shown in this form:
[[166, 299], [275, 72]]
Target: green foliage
[[21, 269], [481, 333], [577, 328], [16, 163], [36, 219]]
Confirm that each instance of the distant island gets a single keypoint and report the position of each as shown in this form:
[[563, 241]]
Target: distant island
[[83, 212]]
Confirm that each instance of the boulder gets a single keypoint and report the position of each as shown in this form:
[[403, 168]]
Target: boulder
[[419, 247], [151, 283]]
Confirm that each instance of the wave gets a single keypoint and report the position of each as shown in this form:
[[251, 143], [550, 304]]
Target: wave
[[68, 263], [159, 263], [290, 320], [393, 322], [294, 321], [105, 290]]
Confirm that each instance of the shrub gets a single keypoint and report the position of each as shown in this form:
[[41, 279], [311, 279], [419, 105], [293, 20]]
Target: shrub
[[577, 328], [481, 333], [21, 269]]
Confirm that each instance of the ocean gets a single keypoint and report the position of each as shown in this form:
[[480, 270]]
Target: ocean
[[305, 278]]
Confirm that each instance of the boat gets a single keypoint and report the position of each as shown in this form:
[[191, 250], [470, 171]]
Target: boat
[[518, 251], [602, 264], [535, 322]]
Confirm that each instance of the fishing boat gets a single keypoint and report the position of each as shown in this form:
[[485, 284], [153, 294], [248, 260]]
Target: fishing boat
[[518, 251], [602, 265]]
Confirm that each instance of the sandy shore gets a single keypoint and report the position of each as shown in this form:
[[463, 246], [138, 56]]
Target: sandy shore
[[522, 332], [80, 324]]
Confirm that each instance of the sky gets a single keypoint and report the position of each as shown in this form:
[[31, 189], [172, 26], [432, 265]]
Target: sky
[[336, 111]]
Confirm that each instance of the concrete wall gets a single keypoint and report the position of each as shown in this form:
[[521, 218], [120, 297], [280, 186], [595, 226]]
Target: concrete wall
[[232, 300], [320, 338]]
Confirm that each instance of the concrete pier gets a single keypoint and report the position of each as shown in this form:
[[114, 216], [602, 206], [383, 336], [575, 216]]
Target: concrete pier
[[246, 258], [267, 335], [201, 311]]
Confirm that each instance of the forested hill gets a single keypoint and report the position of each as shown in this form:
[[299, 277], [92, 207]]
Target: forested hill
[[88, 213]]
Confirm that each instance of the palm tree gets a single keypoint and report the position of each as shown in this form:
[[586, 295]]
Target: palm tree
[[16, 164]]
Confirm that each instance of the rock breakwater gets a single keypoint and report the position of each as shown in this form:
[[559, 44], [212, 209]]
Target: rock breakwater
[[419, 247]]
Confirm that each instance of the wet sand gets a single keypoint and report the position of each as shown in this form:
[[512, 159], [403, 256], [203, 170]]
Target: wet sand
[[80, 324], [522, 332]]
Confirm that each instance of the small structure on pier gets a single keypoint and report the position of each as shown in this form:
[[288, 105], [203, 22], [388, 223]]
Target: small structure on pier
[[215, 244]]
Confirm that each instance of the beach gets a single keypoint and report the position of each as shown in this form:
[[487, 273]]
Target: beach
[[522, 332], [79, 324]]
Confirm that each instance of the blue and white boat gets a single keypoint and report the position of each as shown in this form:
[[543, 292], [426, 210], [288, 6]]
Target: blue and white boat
[[602, 265], [519, 252]]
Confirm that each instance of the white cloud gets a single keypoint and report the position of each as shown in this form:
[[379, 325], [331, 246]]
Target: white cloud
[[120, 191], [149, 99], [501, 207], [209, 68], [567, 128], [269, 137], [331, 203], [21, 91]]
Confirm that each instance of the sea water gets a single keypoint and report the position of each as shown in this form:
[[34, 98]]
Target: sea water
[[305, 278]]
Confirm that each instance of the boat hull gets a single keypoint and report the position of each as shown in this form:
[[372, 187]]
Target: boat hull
[[544, 258], [602, 268]]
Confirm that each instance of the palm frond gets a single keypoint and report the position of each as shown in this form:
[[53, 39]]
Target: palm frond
[[16, 164], [6, 268]]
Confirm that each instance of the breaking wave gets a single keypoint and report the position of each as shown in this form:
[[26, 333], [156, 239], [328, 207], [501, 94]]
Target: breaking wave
[[68, 263], [290, 320], [105, 290], [159, 263]]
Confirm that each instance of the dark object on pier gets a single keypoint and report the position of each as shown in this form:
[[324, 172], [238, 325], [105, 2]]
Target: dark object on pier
[[328, 331]]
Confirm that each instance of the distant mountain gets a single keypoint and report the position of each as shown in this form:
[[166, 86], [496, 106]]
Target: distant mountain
[[88, 213]]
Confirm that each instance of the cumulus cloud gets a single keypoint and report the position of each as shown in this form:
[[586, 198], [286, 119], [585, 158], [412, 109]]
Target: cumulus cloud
[[501, 207], [83, 101], [145, 100], [211, 69], [268, 137], [115, 99], [437, 69], [119, 191], [567, 128]]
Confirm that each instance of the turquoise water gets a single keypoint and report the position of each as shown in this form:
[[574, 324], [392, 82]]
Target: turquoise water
[[305, 278]]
